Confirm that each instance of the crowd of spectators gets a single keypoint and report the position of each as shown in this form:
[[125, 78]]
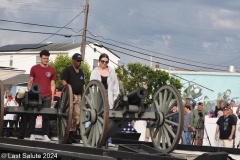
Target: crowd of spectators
[[194, 126]]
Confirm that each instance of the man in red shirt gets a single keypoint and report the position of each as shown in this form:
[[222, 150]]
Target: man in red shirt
[[45, 76]]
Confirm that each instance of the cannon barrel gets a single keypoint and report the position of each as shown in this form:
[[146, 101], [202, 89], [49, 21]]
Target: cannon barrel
[[35, 89], [137, 95], [33, 98]]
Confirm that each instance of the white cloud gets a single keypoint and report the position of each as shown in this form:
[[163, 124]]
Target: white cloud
[[229, 39], [206, 44], [210, 45], [225, 19], [166, 39], [132, 11]]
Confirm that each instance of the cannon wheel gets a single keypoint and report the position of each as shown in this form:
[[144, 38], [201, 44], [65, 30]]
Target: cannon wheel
[[64, 121], [94, 97], [1, 107], [163, 102]]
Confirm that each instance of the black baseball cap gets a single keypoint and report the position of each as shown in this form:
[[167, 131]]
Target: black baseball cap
[[77, 57]]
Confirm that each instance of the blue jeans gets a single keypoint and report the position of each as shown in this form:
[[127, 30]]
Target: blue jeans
[[186, 137]]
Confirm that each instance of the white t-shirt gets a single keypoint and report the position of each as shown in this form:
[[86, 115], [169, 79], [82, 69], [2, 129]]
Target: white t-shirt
[[234, 109], [9, 116]]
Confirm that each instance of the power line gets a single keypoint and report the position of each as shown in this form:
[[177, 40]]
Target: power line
[[52, 34], [152, 51], [41, 25], [37, 5], [62, 27], [57, 12], [154, 56], [151, 40], [37, 32], [168, 60], [193, 82], [101, 53], [145, 59], [52, 48], [168, 23]]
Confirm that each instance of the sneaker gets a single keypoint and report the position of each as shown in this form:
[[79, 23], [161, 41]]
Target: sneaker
[[54, 138], [111, 145], [45, 138], [32, 137]]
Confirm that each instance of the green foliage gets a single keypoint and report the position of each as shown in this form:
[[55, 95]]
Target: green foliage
[[62, 61], [136, 75]]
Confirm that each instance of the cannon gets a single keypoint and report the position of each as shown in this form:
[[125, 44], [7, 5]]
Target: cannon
[[104, 123], [33, 98], [32, 105]]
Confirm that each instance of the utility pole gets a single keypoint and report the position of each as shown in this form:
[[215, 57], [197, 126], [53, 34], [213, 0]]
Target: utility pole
[[83, 44]]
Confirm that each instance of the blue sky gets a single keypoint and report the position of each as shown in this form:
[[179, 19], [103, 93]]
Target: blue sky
[[193, 35]]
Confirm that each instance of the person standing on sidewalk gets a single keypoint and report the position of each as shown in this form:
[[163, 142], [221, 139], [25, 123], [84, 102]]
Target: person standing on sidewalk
[[75, 77]]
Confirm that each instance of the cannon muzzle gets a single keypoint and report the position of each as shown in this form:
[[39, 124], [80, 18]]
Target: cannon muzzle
[[35, 89], [137, 95], [33, 98]]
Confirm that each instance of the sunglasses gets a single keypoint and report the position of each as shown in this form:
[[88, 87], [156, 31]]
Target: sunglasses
[[78, 61], [225, 109], [106, 62]]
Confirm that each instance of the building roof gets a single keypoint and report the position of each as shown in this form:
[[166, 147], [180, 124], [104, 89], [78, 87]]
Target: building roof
[[21, 78], [37, 47], [18, 47], [7, 72], [58, 47]]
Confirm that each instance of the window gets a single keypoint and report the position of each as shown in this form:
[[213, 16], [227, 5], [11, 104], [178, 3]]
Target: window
[[38, 59], [95, 63], [11, 61]]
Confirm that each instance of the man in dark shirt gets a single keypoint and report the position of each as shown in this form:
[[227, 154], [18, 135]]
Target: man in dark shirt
[[75, 77], [226, 126]]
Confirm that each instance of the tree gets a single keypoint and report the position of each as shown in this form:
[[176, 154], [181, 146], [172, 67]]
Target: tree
[[136, 75], [62, 61]]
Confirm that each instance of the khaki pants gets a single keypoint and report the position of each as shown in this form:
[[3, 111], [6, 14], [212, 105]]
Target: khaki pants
[[199, 133], [147, 133], [76, 112], [225, 143]]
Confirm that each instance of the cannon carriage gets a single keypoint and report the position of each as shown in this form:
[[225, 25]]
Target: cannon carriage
[[104, 122], [31, 105]]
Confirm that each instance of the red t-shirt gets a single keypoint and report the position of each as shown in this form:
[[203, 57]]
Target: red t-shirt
[[43, 76]]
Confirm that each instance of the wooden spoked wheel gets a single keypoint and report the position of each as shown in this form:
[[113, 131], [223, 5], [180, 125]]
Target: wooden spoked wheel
[[160, 130], [64, 120], [1, 107], [94, 115]]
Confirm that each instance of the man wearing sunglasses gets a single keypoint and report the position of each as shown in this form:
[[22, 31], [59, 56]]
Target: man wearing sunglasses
[[75, 77], [226, 127]]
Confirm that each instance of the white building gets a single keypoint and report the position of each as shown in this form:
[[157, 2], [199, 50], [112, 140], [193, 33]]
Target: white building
[[24, 56]]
